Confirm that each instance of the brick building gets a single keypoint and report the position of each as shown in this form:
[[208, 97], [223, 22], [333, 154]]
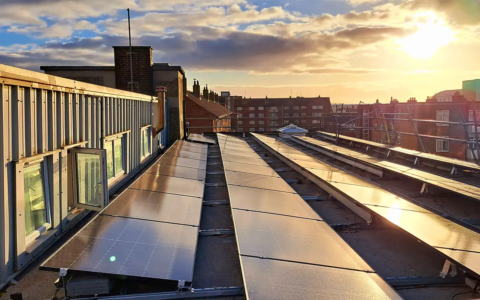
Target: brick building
[[269, 114], [205, 116], [146, 77], [450, 106]]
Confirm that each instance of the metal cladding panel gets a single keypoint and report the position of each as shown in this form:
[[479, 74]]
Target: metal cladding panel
[[294, 239], [177, 171], [183, 162], [244, 160], [280, 280], [130, 247], [156, 207], [240, 167], [201, 139], [169, 185], [185, 154], [240, 153], [270, 202], [258, 181]]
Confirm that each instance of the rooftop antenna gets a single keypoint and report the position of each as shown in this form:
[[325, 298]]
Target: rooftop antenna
[[130, 45]]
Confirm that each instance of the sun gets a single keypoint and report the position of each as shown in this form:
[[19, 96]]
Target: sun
[[431, 34]]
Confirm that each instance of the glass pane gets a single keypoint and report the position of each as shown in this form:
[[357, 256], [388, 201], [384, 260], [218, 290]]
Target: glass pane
[[89, 179], [118, 157], [146, 148], [35, 211], [109, 148]]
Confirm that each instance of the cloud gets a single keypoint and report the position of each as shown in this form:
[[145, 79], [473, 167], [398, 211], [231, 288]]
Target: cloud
[[462, 12], [359, 2]]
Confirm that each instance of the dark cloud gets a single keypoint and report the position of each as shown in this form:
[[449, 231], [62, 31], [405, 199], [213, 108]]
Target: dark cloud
[[231, 51], [462, 12]]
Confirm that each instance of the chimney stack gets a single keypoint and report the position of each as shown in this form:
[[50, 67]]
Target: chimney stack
[[205, 93], [196, 88]]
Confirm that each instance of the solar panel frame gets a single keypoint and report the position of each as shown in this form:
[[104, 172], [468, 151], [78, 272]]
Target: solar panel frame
[[183, 162], [177, 171], [250, 169], [169, 185], [258, 181]]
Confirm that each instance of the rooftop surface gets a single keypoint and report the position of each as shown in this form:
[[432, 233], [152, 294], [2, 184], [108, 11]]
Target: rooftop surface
[[391, 252]]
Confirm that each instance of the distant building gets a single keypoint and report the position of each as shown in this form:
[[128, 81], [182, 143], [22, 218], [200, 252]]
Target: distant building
[[206, 116], [471, 89], [269, 114], [146, 76], [450, 106]]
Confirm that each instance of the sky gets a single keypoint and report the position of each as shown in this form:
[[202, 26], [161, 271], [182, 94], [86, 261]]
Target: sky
[[348, 50]]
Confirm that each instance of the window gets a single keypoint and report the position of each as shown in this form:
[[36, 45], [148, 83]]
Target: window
[[240, 130], [240, 122], [251, 108], [252, 129], [273, 115], [260, 108], [261, 129], [317, 114], [296, 108], [251, 115], [273, 109], [37, 207], [442, 145], [286, 115], [296, 122], [303, 107], [239, 108], [285, 121], [115, 158], [261, 115], [240, 115], [295, 115], [304, 121], [316, 121], [303, 114], [261, 122], [286, 108], [471, 118], [251, 122], [443, 115], [146, 142], [273, 123], [317, 107]]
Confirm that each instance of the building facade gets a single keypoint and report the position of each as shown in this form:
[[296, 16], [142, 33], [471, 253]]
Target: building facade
[[66, 147], [378, 126], [269, 114], [146, 77], [206, 116]]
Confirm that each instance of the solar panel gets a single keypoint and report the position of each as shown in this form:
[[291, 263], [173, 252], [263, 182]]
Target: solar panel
[[258, 181], [201, 139], [270, 202], [239, 167], [123, 246], [170, 185], [186, 154], [156, 207], [183, 162], [240, 153], [190, 144], [280, 280], [188, 148], [293, 239], [177, 171], [244, 160]]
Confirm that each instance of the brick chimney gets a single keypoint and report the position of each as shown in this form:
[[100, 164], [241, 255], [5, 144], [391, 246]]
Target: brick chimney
[[196, 88], [211, 96], [142, 61], [205, 93]]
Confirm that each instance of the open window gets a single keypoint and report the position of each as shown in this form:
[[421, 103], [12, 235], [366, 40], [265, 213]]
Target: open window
[[115, 159], [145, 143], [90, 181]]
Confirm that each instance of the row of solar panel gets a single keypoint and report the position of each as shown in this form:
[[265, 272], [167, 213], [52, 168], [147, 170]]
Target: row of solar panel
[[286, 250], [412, 153], [151, 229], [432, 179], [198, 138], [455, 241]]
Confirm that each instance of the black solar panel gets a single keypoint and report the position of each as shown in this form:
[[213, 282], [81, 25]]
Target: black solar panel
[[240, 167], [177, 171], [156, 207], [258, 181], [169, 185], [116, 245], [183, 162]]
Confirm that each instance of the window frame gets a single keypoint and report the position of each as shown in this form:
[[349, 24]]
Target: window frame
[[123, 136], [251, 115], [261, 108], [251, 108], [442, 141], [261, 122], [30, 239], [261, 115], [239, 108], [251, 129], [251, 122], [148, 129]]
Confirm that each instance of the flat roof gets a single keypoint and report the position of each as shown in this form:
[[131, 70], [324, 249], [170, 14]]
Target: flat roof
[[77, 68]]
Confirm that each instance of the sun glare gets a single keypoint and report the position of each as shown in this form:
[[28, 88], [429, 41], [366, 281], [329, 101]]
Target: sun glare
[[431, 34]]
